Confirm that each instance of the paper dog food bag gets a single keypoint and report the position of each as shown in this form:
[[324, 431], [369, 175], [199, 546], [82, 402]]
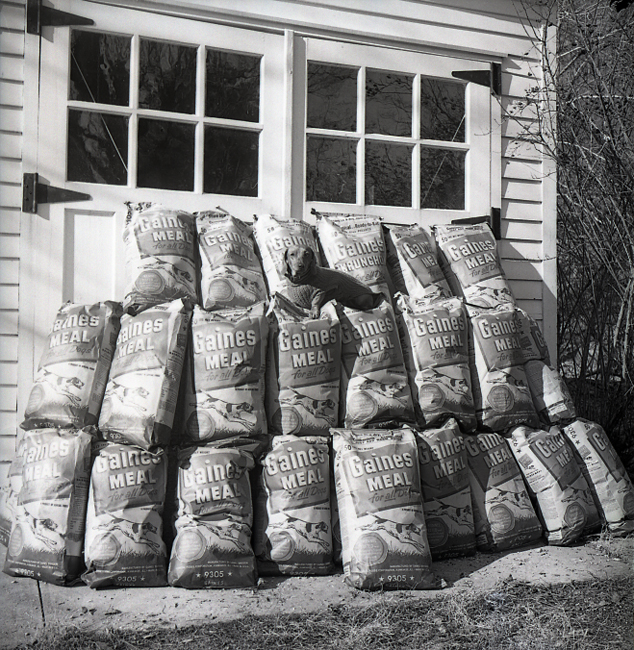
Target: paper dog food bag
[[354, 244], [383, 534], [374, 384], [225, 374], [212, 548], [418, 262], [500, 387], [231, 272], [160, 256], [469, 258], [71, 377], [273, 236], [124, 544], [503, 514], [292, 531], [605, 474], [446, 491], [436, 352], [556, 483], [304, 372], [140, 399], [47, 534], [9, 494]]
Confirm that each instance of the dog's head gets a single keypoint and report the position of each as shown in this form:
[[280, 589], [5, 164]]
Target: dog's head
[[298, 263]]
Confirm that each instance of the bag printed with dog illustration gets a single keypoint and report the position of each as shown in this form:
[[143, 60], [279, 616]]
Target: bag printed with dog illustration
[[383, 533], [124, 544], [273, 236], [551, 397], [418, 262], [354, 244], [212, 548], [9, 495], [304, 371], [503, 514], [140, 399], [71, 378], [160, 256], [605, 474], [47, 534], [231, 272], [436, 351], [556, 482], [292, 533], [470, 261], [500, 387], [375, 389], [225, 374], [446, 491]]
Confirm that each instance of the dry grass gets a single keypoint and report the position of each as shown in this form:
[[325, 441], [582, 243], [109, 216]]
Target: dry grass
[[516, 616]]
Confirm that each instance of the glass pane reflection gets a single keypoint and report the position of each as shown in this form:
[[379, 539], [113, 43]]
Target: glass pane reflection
[[388, 174], [442, 110], [233, 86], [97, 150], [99, 68], [166, 155], [332, 97], [231, 162], [167, 77], [388, 108], [442, 183], [331, 170]]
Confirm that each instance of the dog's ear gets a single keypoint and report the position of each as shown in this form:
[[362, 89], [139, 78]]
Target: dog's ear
[[282, 265]]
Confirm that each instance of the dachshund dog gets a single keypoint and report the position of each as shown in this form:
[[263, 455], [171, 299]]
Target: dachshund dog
[[311, 286]]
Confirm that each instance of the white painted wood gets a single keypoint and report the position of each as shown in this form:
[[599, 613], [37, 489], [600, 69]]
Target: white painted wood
[[8, 348], [516, 211], [10, 168], [11, 145], [11, 93], [9, 219], [521, 190], [524, 170], [11, 67], [9, 296], [8, 372], [9, 246], [12, 43], [7, 446], [8, 325], [523, 270], [12, 15], [522, 231]]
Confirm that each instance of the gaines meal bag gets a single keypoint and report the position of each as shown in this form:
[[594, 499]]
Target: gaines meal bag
[[383, 534], [47, 535], [124, 525], [605, 474], [160, 256], [503, 514], [212, 548], [556, 482], [140, 398], [73, 370], [225, 374], [292, 531], [375, 389], [304, 371], [231, 272], [469, 258]]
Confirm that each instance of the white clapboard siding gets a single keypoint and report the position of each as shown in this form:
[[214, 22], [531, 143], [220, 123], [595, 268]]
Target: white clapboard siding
[[12, 20]]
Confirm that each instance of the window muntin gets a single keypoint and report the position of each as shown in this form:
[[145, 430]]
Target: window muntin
[[159, 114]]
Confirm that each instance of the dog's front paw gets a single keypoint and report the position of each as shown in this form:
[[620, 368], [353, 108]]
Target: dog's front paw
[[315, 313]]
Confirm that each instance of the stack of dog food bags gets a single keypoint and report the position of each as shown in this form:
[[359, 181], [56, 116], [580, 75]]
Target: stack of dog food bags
[[503, 514], [446, 491], [384, 538], [52, 466], [556, 483], [212, 548]]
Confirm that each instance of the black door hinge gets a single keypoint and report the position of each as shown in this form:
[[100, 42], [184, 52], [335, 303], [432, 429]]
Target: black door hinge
[[35, 193], [494, 220], [38, 16], [490, 78]]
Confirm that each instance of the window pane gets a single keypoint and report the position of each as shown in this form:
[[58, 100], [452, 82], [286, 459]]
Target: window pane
[[388, 108], [231, 162], [332, 97], [166, 155], [442, 184], [233, 86], [331, 170], [388, 174], [99, 68], [97, 148], [167, 77], [442, 110]]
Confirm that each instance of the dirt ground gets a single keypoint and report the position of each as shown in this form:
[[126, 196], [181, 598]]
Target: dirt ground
[[29, 607]]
